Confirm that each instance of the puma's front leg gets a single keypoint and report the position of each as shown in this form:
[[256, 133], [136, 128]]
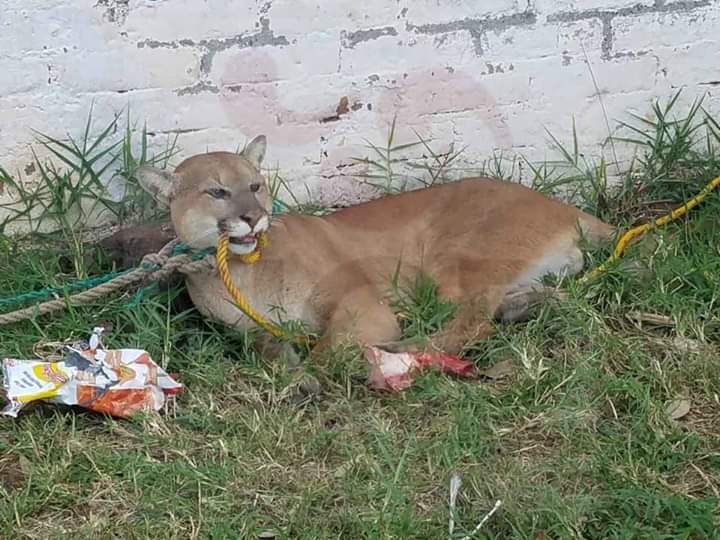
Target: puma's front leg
[[359, 318]]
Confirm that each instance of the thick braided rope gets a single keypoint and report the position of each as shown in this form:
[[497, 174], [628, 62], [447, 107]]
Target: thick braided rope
[[191, 266], [157, 266]]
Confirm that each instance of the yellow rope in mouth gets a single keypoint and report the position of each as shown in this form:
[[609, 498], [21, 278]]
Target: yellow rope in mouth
[[640, 230], [248, 258], [242, 304], [254, 257]]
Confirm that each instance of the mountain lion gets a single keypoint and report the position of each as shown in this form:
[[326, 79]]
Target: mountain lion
[[486, 243]]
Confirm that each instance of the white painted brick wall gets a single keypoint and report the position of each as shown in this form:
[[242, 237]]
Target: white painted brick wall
[[491, 76]]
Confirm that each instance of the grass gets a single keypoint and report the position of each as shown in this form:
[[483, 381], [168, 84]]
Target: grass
[[579, 436], [66, 197]]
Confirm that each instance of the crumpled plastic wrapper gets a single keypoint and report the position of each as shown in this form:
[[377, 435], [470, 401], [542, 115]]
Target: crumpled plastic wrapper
[[118, 382], [396, 371]]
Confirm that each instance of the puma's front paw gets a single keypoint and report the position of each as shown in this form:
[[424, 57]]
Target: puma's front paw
[[304, 389], [309, 386], [273, 349]]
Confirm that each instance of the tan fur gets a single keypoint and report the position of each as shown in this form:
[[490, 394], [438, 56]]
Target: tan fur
[[482, 240]]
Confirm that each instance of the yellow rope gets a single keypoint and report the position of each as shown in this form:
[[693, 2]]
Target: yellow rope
[[240, 301], [640, 230], [248, 258], [252, 258]]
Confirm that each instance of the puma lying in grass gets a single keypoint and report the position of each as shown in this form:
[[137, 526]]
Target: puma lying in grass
[[486, 243]]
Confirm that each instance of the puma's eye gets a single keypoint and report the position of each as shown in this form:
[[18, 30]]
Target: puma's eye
[[218, 193], [254, 187]]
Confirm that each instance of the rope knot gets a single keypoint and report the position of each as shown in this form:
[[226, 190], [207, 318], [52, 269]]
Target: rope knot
[[161, 258], [154, 259]]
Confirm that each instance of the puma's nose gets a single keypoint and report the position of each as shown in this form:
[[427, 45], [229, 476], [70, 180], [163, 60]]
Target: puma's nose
[[252, 217]]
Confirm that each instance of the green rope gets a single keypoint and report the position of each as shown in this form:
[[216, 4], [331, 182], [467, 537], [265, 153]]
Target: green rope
[[49, 292], [139, 296], [180, 248], [278, 207], [88, 283]]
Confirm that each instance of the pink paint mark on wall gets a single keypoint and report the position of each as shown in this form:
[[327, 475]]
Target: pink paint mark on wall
[[251, 93], [423, 98]]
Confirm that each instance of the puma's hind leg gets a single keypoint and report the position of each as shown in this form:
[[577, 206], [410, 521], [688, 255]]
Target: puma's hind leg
[[520, 302], [480, 305]]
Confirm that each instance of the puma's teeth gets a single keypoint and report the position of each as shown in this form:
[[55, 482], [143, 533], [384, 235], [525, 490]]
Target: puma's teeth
[[247, 239]]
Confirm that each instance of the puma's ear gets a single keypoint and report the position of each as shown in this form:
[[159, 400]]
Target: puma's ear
[[254, 152], [157, 182]]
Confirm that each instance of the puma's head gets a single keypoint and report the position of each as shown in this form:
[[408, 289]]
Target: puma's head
[[213, 193]]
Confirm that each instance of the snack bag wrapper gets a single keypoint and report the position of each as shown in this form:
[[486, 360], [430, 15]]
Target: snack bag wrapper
[[118, 382]]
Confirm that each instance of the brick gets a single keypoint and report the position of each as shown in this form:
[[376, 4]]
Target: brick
[[165, 111], [399, 54], [693, 65], [575, 36], [189, 19], [425, 94], [296, 18], [10, 6], [480, 132], [37, 30], [287, 112], [590, 125], [478, 28], [315, 54], [433, 12], [25, 74], [53, 114], [654, 30], [124, 68], [534, 40], [572, 86], [549, 7]]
